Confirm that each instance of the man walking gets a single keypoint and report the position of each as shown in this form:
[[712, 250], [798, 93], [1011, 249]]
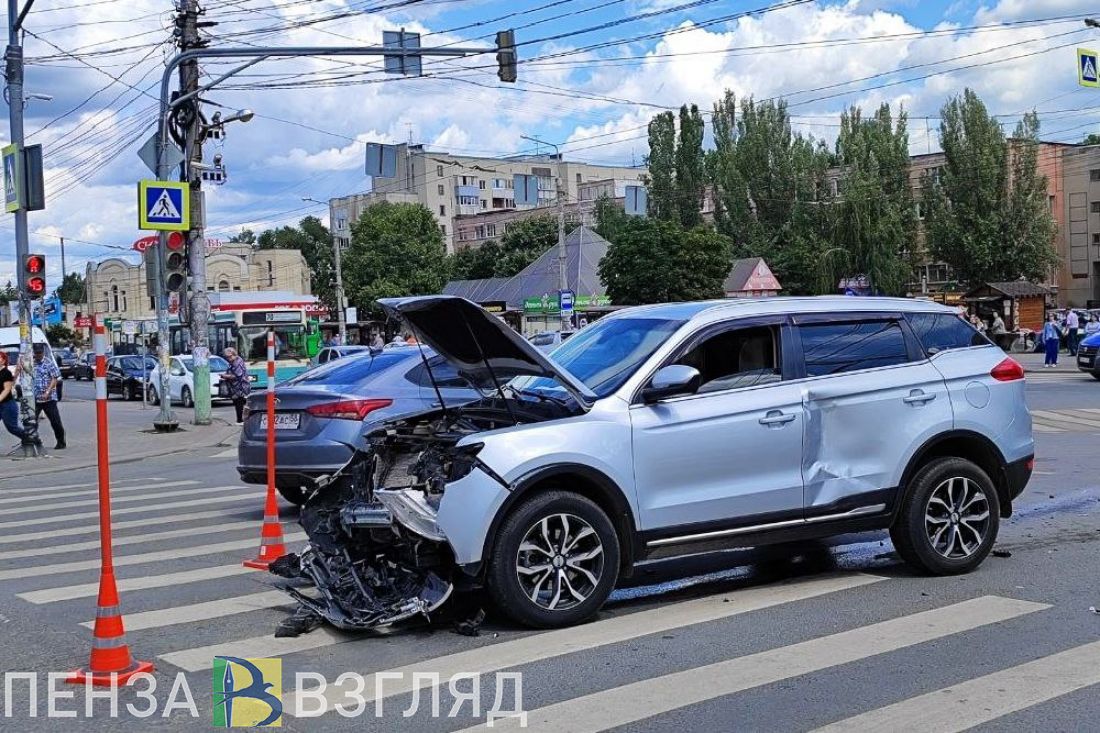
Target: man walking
[[46, 377], [237, 378], [1072, 323]]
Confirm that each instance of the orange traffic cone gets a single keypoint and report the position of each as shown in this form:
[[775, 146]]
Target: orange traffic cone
[[110, 663], [271, 537]]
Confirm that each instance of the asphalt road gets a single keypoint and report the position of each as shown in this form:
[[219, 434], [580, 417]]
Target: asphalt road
[[797, 639]]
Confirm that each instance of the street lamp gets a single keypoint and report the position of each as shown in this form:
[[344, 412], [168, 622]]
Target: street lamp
[[343, 326], [563, 284], [243, 115]]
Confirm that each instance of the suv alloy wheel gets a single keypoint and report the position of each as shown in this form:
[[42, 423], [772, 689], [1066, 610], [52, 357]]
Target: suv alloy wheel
[[556, 561], [950, 517]]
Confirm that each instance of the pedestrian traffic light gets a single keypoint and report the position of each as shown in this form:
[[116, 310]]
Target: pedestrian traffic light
[[34, 280], [175, 271], [506, 55]]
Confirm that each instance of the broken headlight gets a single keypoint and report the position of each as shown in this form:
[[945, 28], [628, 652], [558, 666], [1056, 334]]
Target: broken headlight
[[464, 460]]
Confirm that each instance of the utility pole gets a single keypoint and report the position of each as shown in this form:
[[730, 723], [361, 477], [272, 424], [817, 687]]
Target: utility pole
[[199, 302], [341, 304], [64, 271], [13, 58], [563, 278]]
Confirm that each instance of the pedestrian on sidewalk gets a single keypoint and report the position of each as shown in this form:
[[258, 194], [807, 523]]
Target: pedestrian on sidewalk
[[46, 377], [237, 377], [1051, 340], [1092, 326], [9, 406], [1072, 323]]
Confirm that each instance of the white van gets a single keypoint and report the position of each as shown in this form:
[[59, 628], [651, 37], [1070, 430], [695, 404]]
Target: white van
[[9, 342]]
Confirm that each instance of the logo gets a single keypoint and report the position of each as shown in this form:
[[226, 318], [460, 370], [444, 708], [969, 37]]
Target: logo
[[248, 693]]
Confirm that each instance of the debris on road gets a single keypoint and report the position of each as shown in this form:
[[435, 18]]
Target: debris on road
[[471, 626], [302, 621], [1002, 553]]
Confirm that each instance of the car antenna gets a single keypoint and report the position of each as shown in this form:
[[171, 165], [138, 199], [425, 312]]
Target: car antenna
[[431, 376], [489, 368]]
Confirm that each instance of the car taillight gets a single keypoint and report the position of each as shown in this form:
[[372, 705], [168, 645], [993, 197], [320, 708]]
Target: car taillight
[[348, 409], [1008, 370]]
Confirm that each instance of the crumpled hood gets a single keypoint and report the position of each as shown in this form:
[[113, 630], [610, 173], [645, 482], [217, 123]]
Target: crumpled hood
[[483, 349]]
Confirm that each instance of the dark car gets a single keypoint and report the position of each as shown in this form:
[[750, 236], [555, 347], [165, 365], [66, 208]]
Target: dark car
[[126, 375], [66, 361], [85, 367], [322, 413]]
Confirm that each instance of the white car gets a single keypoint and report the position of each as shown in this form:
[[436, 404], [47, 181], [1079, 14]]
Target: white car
[[181, 380]]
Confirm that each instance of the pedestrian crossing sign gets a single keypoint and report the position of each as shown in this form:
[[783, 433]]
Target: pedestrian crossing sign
[[13, 179], [164, 206], [1087, 74]]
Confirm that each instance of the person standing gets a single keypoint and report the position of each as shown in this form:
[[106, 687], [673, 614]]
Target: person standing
[[1072, 323], [1092, 325], [9, 406], [1051, 339], [46, 377], [237, 377], [376, 342]]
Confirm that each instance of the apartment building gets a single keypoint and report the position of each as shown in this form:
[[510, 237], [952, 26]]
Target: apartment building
[[453, 186]]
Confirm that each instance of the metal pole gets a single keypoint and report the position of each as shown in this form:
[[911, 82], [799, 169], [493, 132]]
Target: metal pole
[[64, 270], [341, 304]]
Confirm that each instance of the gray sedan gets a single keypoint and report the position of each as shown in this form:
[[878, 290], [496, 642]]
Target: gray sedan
[[322, 414]]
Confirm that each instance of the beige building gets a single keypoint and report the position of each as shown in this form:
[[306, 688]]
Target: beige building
[[117, 287], [451, 186]]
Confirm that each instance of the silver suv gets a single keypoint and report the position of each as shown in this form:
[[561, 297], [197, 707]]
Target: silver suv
[[677, 429]]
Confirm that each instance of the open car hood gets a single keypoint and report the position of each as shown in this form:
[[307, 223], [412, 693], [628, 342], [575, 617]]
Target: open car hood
[[484, 349]]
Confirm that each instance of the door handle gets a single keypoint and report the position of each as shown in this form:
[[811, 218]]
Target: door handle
[[918, 398], [776, 418]]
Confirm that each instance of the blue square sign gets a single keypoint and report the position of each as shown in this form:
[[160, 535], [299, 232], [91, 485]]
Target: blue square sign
[[1087, 74], [164, 206]]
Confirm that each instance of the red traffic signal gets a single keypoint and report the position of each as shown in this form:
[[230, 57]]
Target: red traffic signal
[[35, 265], [34, 271], [36, 286]]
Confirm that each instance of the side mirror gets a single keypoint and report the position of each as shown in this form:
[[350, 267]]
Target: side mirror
[[671, 381]]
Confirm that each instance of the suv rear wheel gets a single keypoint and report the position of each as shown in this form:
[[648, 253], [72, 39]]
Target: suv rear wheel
[[556, 562], [950, 517]]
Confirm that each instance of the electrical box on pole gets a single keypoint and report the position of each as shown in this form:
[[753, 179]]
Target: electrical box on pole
[[506, 56], [34, 270]]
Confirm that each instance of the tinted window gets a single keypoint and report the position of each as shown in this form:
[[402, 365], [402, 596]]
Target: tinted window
[[833, 348], [543, 339], [444, 374], [352, 370], [743, 357], [942, 331], [134, 363]]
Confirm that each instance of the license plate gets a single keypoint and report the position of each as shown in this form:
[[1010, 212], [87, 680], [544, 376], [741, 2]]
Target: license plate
[[283, 421]]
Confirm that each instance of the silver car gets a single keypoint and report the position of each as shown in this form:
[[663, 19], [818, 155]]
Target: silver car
[[322, 414]]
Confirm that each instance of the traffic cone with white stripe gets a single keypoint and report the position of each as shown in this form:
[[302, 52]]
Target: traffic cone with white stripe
[[110, 662], [271, 537]]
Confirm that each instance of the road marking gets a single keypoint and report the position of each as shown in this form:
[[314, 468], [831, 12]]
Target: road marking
[[128, 510], [231, 453], [68, 532], [145, 557], [49, 489], [120, 500], [536, 647], [145, 582], [131, 540], [85, 492], [200, 658], [202, 611], [620, 706], [986, 698], [1041, 428], [1052, 417]]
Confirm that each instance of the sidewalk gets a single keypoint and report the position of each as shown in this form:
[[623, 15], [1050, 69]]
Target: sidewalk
[[131, 438]]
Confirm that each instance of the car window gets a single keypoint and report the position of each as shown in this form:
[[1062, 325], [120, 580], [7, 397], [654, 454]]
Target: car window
[[943, 331], [352, 370], [741, 357], [543, 339], [834, 348], [445, 375]]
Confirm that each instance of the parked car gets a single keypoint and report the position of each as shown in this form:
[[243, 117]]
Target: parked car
[[85, 367], [126, 375], [671, 430], [332, 353], [550, 340], [181, 380], [65, 358], [324, 413], [1087, 360]]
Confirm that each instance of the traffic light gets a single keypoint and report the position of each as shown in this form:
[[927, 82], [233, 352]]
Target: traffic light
[[506, 55], [175, 271], [34, 271]]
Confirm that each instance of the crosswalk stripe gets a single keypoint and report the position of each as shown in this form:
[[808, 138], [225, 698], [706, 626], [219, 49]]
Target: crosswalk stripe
[[145, 557], [127, 510], [1053, 417], [9, 511], [620, 706], [555, 643], [130, 540], [1087, 414], [69, 532], [1039, 427], [70, 592], [965, 705], [201, 658], [39, 490], [202, 611], [86, 492]]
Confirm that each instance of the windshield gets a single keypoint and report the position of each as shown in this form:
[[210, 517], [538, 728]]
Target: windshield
[[290, 342], [353, 369], [605, 354], [217, 364], [134, 363]]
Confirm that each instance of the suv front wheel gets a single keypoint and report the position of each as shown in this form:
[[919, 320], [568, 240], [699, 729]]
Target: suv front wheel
[[556, 561], [950, 517]]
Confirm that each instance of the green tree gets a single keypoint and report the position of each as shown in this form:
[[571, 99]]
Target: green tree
[[610, 219], [475, 263], [245, 236], [524, 241], [396, 249], [1091, 139], [9, 292], [661, 163], [60, 335], [690, 167], [872, 220], [985, 211], [314, 241], [72, 289], [654, 261]]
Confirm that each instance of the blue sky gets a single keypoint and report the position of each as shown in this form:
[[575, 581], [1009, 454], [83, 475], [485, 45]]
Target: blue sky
[[308, 136]]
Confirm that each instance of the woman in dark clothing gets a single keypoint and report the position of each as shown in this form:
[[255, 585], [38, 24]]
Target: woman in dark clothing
[[237, 377], [9, 407]]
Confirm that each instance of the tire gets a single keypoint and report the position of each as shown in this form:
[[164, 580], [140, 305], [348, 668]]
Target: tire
[[131, 393], [934, 538], [153, 398], [293, 494], [1096, 375], [186, 398], [556, 605]]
